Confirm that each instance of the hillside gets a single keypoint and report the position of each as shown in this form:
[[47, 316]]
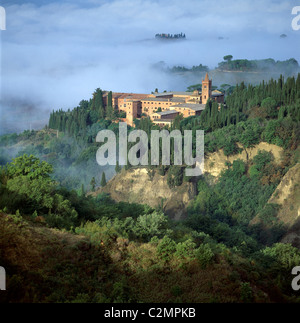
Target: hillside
[[287, 196], [215, 162], [47, 265], [139, 186], [287, 200], [153, 234]]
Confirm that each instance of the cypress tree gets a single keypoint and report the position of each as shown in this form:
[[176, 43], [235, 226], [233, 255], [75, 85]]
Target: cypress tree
[[103, 179], [101, 113], [110, 112], [93, 184], [214, 114], [109, 99], [298, 84], [118, 168], [82, 190]]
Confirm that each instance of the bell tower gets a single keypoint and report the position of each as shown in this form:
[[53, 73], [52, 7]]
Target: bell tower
[[206, 89]]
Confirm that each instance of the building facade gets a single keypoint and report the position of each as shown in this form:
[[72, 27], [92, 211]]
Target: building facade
[[158, 106]]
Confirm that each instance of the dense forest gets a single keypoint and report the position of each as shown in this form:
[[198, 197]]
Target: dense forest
[[287, 67], [290, 65], [106, 251]]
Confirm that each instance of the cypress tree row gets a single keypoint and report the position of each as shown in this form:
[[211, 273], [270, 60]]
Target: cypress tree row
[[85, 114], [284, 96]]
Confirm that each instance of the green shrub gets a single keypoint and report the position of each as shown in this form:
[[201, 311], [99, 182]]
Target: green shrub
[[204, 255], [166, 249], [246, 293], [149, 225], [284, 254]]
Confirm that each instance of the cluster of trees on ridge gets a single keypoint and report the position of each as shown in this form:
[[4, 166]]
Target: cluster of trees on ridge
[[180, 69], [170, 36], [289, 66]]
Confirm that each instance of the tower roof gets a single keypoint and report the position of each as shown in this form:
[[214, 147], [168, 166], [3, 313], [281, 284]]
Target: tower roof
[[206, 78]]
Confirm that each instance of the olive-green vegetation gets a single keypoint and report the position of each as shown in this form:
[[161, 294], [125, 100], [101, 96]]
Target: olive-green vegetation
[[269, 112], [290, 65], [195, 69], [69, 246], [68, 143]]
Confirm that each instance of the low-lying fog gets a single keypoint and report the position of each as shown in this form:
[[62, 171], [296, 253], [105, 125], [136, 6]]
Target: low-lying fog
[[55, 53]]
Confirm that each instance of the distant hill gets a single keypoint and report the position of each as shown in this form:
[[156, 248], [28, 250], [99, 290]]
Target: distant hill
[[288, 67], [233, 72], [243, 65]]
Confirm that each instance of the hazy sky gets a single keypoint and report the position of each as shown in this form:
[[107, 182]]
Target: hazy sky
[[55, 53]]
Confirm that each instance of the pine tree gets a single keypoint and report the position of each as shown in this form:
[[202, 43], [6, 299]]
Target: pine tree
[[101, 113], [103, 180], [110, 113], [93, 184], [298, 84], [214, 114], [82, 193], [109, 99], [118, 168]]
